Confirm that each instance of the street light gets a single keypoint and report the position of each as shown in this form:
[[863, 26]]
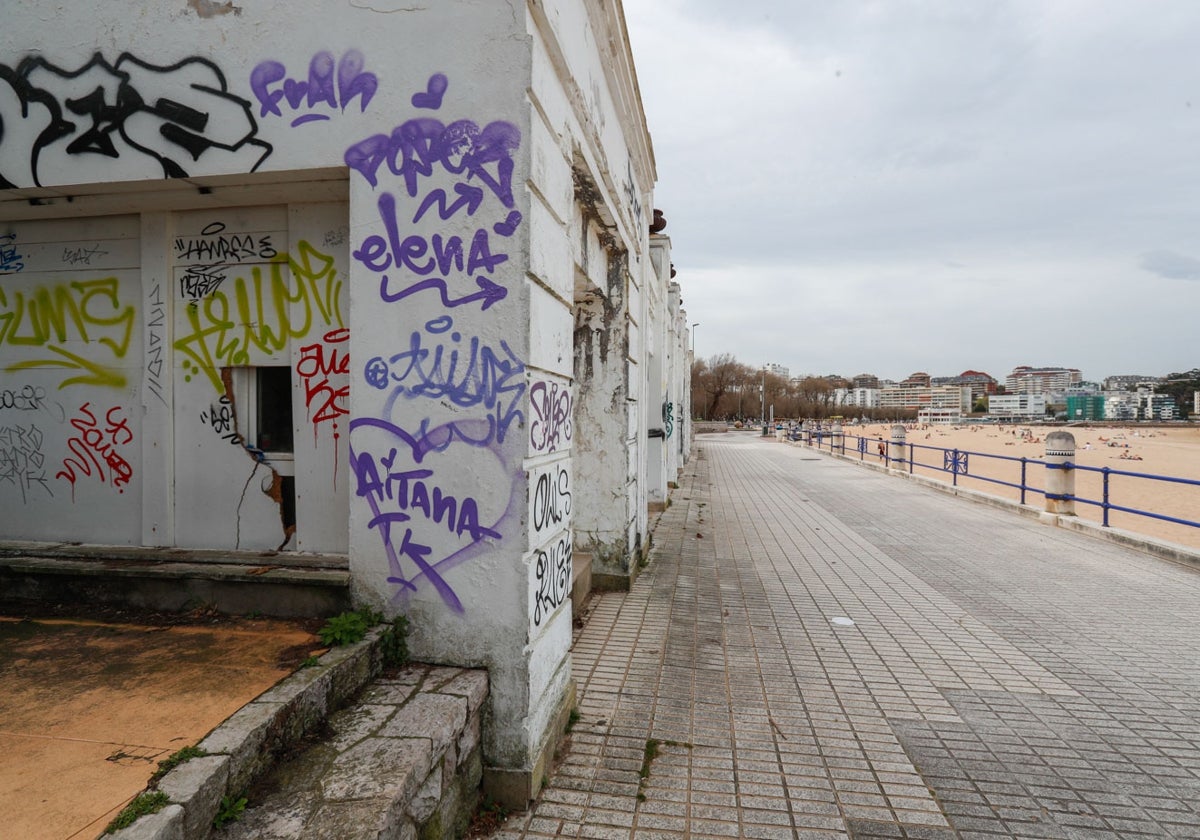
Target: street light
[[762, 392], [694, 338]]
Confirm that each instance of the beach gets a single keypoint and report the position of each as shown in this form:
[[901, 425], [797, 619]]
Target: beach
[[1169, 451]]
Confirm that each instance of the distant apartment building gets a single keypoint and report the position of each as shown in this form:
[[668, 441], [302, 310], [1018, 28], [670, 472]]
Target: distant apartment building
[[980, 383], [920, 378], [1041, 380], [907, 396], [857, 397], [1195, 402], [778, 370], [1152, 406], [1017, 406], [1125, 382], [1120, 406], [865, 380]]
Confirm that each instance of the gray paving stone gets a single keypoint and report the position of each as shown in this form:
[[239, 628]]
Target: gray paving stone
[[1003, 678]]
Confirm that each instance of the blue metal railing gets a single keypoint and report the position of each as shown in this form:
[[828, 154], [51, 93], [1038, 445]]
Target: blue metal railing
[[958, 462]]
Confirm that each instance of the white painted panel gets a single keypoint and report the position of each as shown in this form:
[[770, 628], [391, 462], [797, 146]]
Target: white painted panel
[[550, 345], [549, 251], [550, 576], [250, 314], [321, 404], [70, 352], [549, 501], [550, 172]]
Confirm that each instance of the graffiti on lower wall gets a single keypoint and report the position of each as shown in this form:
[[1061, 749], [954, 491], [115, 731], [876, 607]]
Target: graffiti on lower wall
[[87, 315], [96, 449], [129, 117], [552, 575], [324, 370], [262, 308], [22, 461]]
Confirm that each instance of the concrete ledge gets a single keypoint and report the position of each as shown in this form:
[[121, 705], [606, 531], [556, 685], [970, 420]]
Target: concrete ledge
[[174, 585], [242, 747], [404, 759]]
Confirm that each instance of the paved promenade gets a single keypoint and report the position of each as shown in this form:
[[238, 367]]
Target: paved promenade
[[818, 650]]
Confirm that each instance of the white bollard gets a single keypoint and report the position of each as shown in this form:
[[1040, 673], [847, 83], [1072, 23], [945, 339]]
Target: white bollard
[[897, 450], [1060, 479]]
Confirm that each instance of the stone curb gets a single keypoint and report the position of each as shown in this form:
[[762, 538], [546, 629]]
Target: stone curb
[[246, 744]]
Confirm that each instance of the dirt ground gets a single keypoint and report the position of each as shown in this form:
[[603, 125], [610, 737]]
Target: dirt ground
[[91, 705]]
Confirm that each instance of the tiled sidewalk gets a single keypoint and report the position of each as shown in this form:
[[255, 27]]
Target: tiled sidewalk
[[817, 650]]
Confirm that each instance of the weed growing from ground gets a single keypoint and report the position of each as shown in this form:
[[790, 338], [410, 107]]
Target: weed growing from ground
[[231, 810], [148, 802], [174, 760]]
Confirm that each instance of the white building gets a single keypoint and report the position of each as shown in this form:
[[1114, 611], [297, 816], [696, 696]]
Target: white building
[[857, 397], [1017, 406], [1042, 380], [321, 279]]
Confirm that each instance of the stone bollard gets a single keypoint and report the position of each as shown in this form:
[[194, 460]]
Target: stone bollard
[[897, 451], [1060, 480], [807, 432], [838, 439]]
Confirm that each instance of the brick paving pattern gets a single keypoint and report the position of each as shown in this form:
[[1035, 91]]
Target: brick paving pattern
[[818, 650]]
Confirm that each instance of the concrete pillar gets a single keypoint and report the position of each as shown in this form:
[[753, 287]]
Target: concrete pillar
[[837, 436], [1060, 473], [807, 432], [897, 450]]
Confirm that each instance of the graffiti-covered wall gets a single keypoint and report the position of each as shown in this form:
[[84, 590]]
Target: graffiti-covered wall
[[290, 276]]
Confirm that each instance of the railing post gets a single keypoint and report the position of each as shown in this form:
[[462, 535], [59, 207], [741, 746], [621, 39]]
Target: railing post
[[896, 448], [1060, 473], [837, 439]]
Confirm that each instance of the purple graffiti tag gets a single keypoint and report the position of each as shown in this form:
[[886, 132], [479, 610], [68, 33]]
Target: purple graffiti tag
[[415, 147], [409, 496], [330, 84], [435, 89]]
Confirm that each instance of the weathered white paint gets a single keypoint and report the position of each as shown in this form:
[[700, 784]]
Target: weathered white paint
[[295, 124]]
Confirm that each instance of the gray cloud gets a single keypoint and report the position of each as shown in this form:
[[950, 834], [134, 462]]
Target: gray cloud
[[1171, 265]]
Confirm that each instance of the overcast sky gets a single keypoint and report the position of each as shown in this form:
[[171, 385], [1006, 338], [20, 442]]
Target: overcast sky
[[891, 186]]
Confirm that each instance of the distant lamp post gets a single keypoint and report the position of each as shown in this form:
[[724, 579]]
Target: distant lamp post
[[762, 394], [694, 338]]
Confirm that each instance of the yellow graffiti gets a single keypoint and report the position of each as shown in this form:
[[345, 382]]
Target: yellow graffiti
[[87, 311], [262, 312]]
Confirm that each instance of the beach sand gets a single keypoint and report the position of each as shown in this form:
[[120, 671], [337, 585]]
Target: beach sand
[[1171, 452]]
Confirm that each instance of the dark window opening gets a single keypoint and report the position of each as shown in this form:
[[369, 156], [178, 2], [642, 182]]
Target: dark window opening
[[273, 432]]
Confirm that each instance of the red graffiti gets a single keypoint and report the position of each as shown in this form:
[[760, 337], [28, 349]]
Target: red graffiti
[[317, 363], [96, 448]]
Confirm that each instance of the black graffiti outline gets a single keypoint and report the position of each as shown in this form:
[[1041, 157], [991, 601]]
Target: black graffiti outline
[[181, 122]]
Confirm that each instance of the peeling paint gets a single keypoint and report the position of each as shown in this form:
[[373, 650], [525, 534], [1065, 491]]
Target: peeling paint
[[213, 8]]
